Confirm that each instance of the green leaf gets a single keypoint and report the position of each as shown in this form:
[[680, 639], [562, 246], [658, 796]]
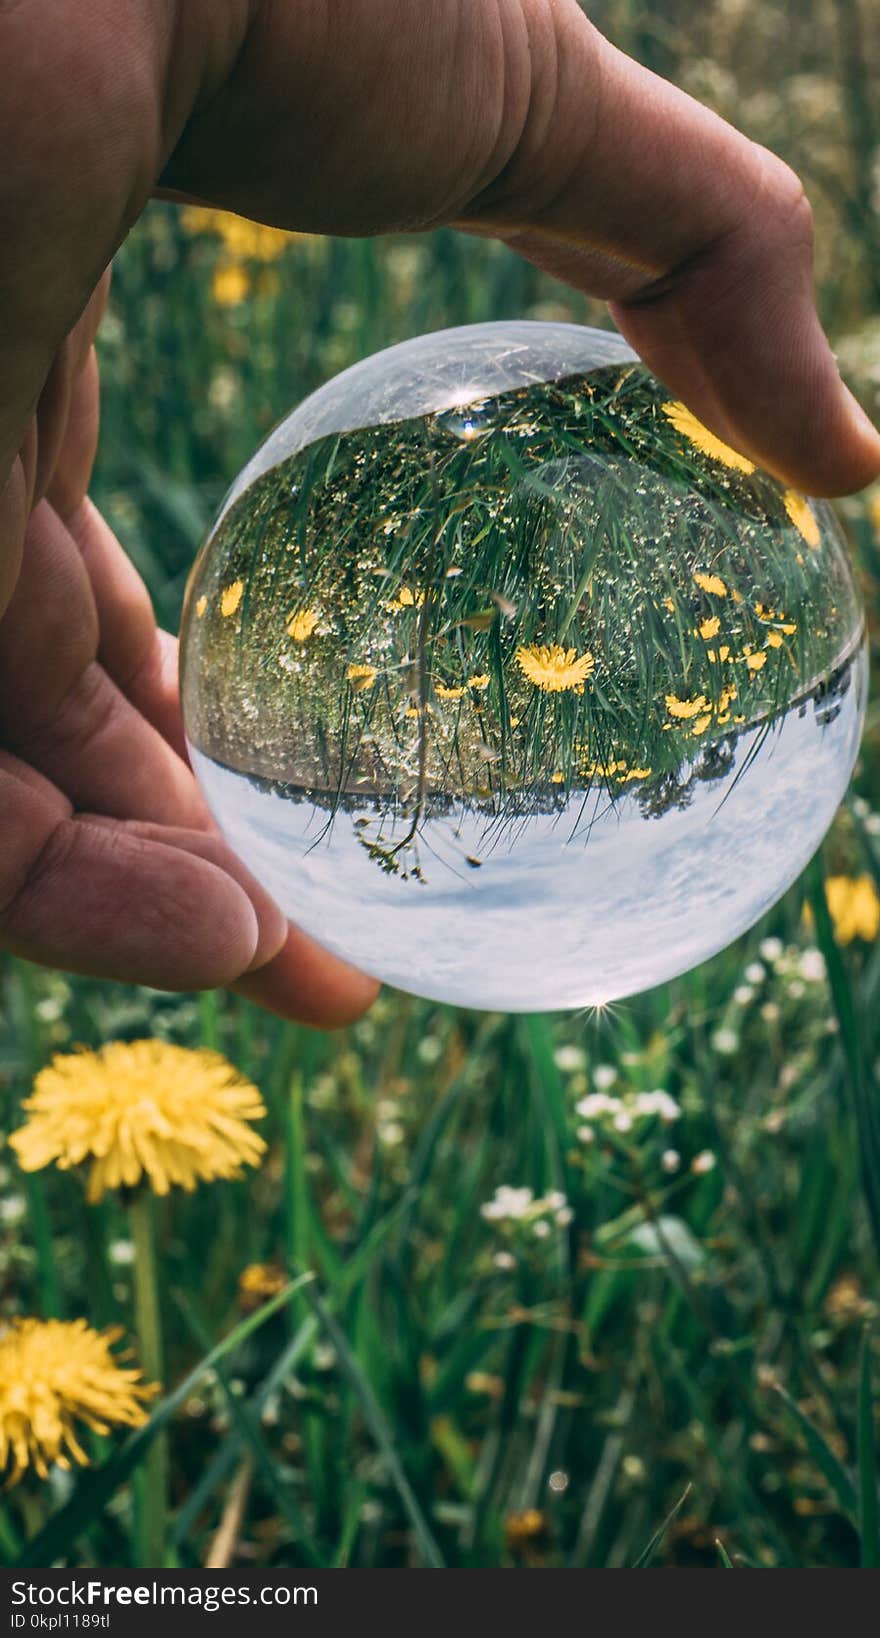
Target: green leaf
[[831, 1468], [645, 1557]]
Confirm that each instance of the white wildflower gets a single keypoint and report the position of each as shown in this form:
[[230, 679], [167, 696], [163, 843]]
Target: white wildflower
[[812, 966], [569, 1058], [670, 1160], [703, 1162], [771, 949]]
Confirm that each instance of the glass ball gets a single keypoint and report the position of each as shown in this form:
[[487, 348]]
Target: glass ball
[[513, 684]]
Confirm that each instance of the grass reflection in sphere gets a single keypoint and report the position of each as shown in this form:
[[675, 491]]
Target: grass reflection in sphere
[[513, 684]]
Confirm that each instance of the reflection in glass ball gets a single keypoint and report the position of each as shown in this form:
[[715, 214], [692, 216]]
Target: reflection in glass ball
[[513, 683]]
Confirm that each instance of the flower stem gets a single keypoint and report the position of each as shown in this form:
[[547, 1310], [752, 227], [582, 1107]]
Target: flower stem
[[152, 1479]]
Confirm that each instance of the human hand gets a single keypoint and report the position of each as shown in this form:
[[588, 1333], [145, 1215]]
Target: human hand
[[508, 117]]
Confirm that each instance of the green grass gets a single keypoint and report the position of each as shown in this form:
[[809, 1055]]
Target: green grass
[[680, 1372]]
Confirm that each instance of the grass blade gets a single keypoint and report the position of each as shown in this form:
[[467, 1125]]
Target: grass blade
[[378, 1426], [869, 1530], [645, 1557]]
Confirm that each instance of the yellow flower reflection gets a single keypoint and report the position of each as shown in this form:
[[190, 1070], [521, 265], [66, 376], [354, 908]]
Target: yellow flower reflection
[[803, 517], [685, 710], [230, 598], [361, 677], [201, 606], [54, 1374], [141, 1109], [301, 624], [705, 441], [555, 669], [711, 583]]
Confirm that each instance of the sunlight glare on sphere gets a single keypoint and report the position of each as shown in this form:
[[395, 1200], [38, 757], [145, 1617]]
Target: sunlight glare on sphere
[[513, 684]]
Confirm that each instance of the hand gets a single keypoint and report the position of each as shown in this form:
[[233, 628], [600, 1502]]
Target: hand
[[507, 117]]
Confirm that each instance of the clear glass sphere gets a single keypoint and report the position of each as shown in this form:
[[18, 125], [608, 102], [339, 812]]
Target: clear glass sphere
[[512, 683]]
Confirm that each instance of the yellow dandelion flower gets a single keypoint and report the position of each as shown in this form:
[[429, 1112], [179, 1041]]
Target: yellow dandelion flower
[[54, 1374], [407, 599], [258, 1283], [756, 662], [230, 284], [201, 606], [716, 655], [141, 1109], [444, 692], [479, 681], [710, 628], [803, 517], [727, 696], [712, 583], [557, 779], [701, 725], [854, 907], [774, 639], [361, 677], [722, 718], [668, 604], [686, 423], [686, 709], [230, 598], [301, 624], [553, 668]]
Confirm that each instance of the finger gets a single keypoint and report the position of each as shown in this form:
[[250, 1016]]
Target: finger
[[139, 657], [306, 983], [272, 927], [103, 900], [60, 711], [702, 241]]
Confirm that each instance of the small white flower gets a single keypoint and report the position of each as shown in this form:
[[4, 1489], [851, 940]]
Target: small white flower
[[564, 1216], [703, 1162], [597, 1104], [541, 1229], [12, 1210], [121, 1253], [657, 1103], [770, 1012], [797, 989], [743, 994], [623, 1122], [586, 1134], [755, 973], [670, 1160], [555, 1200], [812, 966], [390, 1132], [604, 1075], [504, 1260], [429, 1049], [771, 949], [725, 1041], [569, 1058], [872, 824]]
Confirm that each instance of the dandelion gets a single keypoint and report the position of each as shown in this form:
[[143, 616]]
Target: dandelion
[[141, 1109], [201, 605], [710, 628], [554, 669], [700, 726], [302, 623], [479, 682], [230, 284], [230, 598], [361, 677], [803, 517], [258, 1283], [710, 583], [407, 599], [54, 1374], [705, 441], [854, 907], [251, 241], [685, 710]]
